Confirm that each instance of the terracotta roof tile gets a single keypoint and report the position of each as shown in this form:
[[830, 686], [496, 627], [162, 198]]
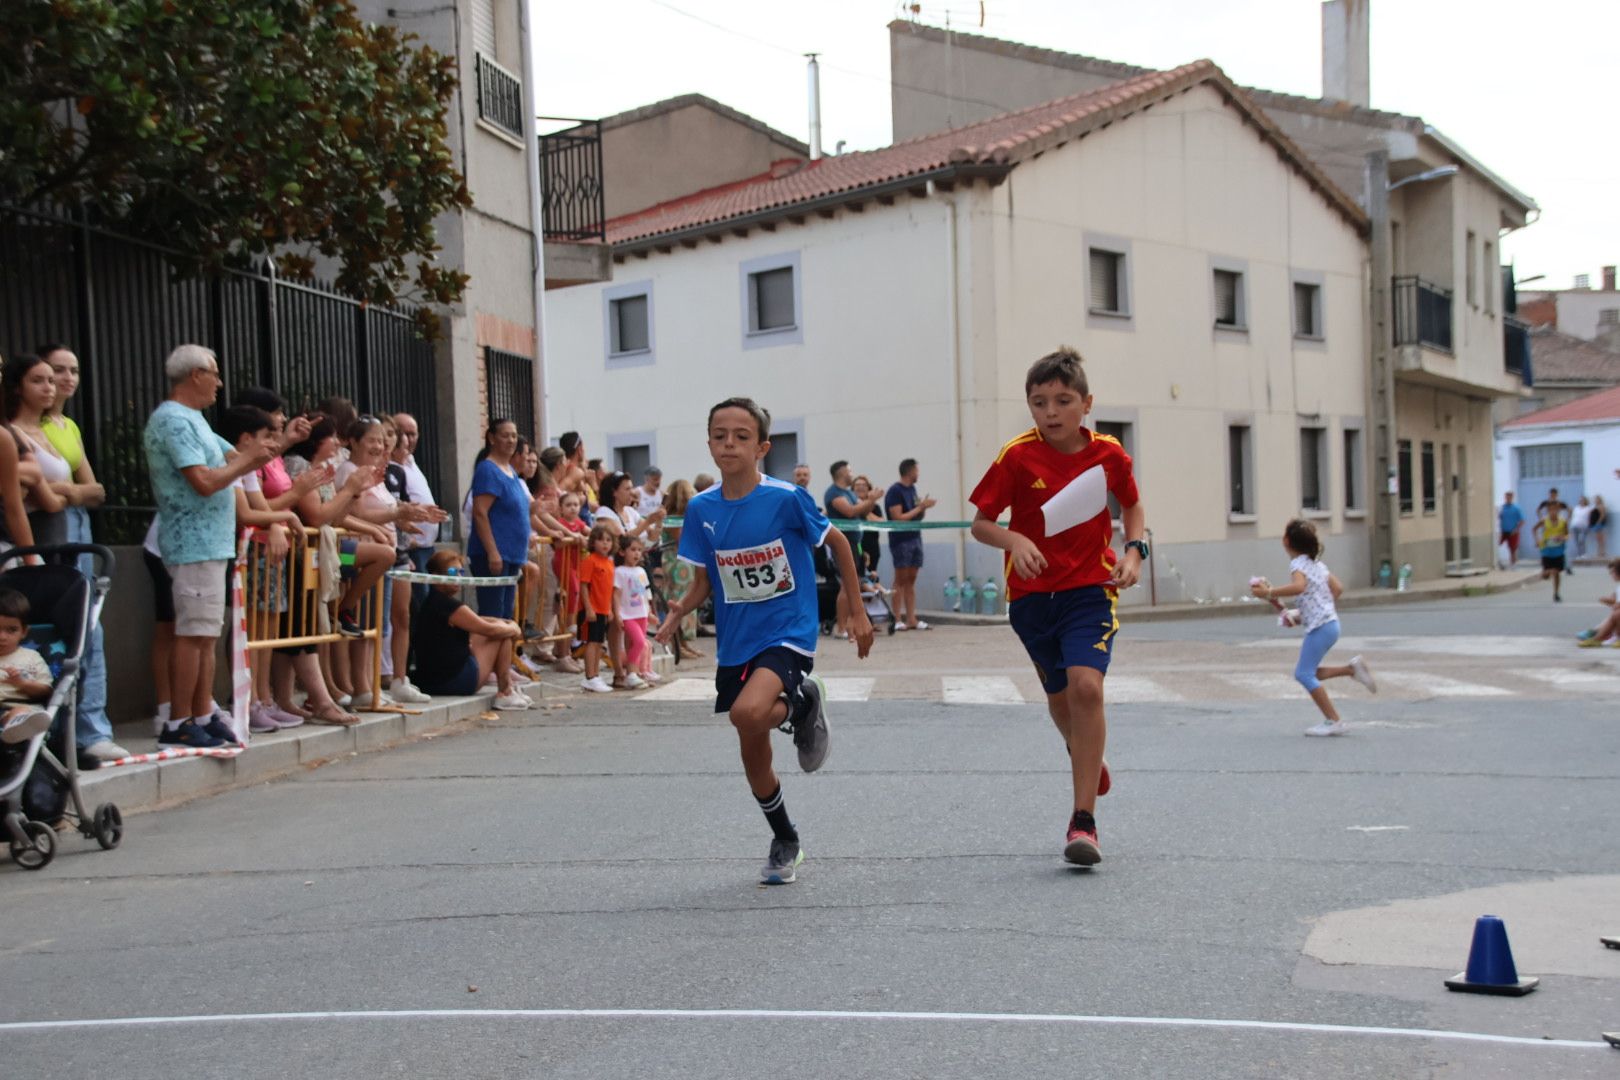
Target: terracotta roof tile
[[1556, 357], [1603, 405], [998, 142]]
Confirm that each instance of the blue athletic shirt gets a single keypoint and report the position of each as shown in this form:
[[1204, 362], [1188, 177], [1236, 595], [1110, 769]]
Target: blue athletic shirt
[[757, 551]]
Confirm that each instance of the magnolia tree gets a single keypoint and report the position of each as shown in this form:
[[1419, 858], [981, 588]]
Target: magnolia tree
[[228, 129]]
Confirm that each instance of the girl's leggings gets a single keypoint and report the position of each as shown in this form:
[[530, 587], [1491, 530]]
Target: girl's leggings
[[635, 642], [1312, 651]]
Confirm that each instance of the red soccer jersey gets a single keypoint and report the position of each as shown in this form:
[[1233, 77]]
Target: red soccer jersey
[[1026, 474]]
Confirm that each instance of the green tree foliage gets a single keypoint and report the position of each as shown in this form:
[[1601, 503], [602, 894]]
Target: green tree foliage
[[229, 129]]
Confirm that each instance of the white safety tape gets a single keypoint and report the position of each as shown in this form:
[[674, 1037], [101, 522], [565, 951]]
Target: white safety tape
[[450, 579]]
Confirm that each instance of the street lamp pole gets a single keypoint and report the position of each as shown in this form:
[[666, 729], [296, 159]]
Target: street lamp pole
[[1381, 373]]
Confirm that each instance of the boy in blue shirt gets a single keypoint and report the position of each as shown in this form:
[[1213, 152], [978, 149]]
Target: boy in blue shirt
[[751, 539]]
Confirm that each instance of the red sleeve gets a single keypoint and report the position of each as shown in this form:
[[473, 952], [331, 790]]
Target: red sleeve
[[1121, 479], [995, 490]]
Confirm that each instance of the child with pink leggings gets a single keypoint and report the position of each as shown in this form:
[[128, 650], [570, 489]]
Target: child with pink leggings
[[634, 591]]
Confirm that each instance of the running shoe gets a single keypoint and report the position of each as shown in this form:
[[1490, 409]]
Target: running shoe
[[189, 733], [349, 624], [1324, 729], [104, 751], [222, 731], [513, 702], [1588, 642], [1360, 672], [404, 692], [1080, 847], [596, 685], [259, 721], [782, 864], [1586, 635], [632, 681], [24, 726], [809, 720]]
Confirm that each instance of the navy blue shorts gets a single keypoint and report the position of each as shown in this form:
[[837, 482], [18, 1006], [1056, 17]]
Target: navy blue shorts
[[791, 667], [906, 550], [1061, 630], [463, 683]]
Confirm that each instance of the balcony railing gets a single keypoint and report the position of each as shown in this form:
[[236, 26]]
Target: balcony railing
[[1422, 313], [571, 182], [1516, 349], [500, 96]]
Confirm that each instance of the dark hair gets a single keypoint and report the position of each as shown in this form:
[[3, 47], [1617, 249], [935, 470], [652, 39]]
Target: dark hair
[[440, 560], [11, 380], [596, 531], [1062, 366], [907, 464], [594, 465], [13, 604], [833, 471], [361, 428], [761, 415], [495, 425], [240, 420], [625, 540], [44, 351], [1302, 538], [342, 412], [263, 398], [609, 486], [321, 428], [568, 443]]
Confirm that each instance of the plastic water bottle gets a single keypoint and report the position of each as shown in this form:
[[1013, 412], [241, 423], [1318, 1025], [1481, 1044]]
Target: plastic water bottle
[[953, 594], [1384, 575], [989, 597], [970, 596], [1406, 575]]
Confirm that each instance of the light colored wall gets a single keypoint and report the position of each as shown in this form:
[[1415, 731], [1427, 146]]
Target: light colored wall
[[1578, 310], [1601, 450], [1424, 414], [676, 153]]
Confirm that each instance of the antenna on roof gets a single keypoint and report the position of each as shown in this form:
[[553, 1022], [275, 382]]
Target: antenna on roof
[[815, 107]]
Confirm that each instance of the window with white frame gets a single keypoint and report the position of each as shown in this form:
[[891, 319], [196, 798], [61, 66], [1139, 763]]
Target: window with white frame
[[1229, 300], [1307, 310], [1107, 282], [1313, 476], [1352, 469], [1240, 470]]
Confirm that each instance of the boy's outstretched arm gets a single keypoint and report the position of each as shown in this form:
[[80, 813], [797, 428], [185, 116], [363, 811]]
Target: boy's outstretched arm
[[860, 627], [693, 600], [1027, 560]]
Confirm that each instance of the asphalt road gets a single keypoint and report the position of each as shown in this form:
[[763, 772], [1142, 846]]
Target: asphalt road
[[571, 893]]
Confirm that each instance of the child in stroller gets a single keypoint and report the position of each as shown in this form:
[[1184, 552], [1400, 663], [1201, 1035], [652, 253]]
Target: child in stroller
[[34, 781]]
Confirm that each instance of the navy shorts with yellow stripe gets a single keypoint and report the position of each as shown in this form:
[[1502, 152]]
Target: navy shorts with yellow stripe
[[1061, 630]]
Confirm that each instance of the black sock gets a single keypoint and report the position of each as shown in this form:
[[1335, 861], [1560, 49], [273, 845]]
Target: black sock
[[776, 813], [1084, 820]]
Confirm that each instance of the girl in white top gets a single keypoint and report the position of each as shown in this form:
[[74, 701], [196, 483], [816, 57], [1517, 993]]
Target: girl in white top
[[1317, 589], [631, 589]]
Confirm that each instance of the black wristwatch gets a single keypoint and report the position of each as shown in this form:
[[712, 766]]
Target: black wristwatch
[[1141, 547]]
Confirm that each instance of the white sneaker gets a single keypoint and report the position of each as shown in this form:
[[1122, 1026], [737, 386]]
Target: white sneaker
[[923, 626], [900, 627], [24, 726], [513, 702], [105, 750], [633, 681], [402, 691], [344, 700], [1360, 672], [597, 685], [1325, 728], [651, 678], [362, 702]]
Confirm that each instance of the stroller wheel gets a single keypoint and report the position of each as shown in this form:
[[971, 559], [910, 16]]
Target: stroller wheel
[[39, 851], [108, 826]]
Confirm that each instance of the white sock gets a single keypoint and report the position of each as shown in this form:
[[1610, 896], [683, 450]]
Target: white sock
[[163, 713], [174, 725]]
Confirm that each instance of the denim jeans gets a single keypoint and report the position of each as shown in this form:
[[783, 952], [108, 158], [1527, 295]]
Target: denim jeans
[[93, 726]]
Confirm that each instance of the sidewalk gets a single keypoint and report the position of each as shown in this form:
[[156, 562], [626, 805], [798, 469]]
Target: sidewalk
[[1492, 581]]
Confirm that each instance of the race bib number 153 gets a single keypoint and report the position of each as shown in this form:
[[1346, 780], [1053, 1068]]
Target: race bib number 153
[[749, 575]]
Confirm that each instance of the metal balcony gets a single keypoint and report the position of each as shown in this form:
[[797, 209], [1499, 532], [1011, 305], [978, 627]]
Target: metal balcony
[[1422, 314], [571, 182], [1516, 349]]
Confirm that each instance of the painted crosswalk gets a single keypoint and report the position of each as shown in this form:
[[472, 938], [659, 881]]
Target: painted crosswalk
[[1182, 687]]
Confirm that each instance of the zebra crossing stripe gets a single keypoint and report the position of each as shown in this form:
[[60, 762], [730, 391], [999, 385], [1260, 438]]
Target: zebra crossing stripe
[[1439, 685], [981, 690], [681, 690], [848, 689], [1263, 684], [1586, 680], [1126, 689]]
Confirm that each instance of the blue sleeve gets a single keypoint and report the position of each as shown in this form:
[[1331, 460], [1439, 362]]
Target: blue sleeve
[[810, 518], [695, 546], [487, 480]]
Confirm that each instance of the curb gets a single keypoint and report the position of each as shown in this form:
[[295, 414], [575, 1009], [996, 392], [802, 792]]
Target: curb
[[1360, 598]]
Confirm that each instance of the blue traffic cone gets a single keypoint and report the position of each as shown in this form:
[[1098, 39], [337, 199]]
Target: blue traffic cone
[[1490, 963]]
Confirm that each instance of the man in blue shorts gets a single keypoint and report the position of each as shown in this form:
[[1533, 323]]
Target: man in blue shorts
[[906, 546], [750, 540]]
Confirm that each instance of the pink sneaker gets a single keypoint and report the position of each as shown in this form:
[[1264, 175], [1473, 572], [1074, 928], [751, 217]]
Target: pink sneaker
[[283, 718]]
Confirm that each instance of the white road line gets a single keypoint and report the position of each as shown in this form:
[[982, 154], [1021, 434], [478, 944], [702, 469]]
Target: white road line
[[1438, 685], [806, 1014], [681, 690], [981, 690], [1264, 684], [1585, 680], [848, 689], [1126, 689]]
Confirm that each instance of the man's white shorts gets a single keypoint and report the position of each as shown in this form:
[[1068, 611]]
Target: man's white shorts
[[199, 598]]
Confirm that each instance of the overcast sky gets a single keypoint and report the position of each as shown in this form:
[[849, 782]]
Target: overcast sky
[[1520, 85]]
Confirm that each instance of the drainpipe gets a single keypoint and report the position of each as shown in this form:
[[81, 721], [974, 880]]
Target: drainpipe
[[531, 152], [957, 463]]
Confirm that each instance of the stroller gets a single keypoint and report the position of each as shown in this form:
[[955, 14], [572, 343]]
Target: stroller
[[33, 777]]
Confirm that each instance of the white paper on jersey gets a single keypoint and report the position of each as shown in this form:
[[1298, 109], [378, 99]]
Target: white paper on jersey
[[1082, 499]]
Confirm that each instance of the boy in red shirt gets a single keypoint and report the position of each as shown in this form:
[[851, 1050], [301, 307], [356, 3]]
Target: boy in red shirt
[[1063, 579]]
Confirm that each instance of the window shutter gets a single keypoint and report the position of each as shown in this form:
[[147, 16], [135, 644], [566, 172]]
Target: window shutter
[[773, 299], [483, 27], [630, 324], [1310, 468], [1305, 310], [1226, 298], [1104, 280]]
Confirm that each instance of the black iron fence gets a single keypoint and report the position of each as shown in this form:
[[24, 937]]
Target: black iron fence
[[119, 304], [500, 96], [511, 389], [571, 182], [1422, 313], [1516, 349]]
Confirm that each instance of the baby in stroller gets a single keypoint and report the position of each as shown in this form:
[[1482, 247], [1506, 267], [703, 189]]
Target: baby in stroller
[[24, 678]]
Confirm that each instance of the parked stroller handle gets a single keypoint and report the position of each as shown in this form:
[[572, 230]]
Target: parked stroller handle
[[64, 553]]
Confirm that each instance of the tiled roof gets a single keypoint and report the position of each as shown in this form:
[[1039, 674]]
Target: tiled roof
[[989, 146], [1603, 405], [1556, 357]]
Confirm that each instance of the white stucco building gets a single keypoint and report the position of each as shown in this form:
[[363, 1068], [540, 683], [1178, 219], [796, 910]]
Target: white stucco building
[[887, 304], [1574, 447]]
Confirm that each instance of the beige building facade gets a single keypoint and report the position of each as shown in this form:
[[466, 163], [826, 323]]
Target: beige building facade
[[1213, 281]]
